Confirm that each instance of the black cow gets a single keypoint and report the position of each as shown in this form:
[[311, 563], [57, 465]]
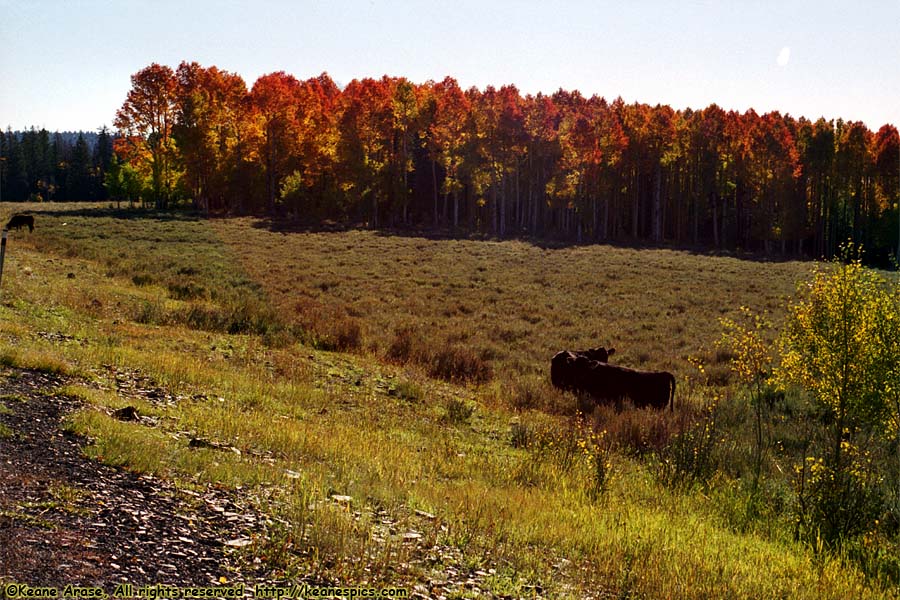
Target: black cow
[[611, 383], [559, 364], [20, 221], [599, 354]]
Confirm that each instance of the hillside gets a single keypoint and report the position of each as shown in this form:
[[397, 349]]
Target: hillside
[[267, 380]]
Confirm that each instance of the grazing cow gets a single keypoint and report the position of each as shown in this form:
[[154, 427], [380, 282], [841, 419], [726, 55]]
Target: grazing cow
[[20, 221], [611, 383]]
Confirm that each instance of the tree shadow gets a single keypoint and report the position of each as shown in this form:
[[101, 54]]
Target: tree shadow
[[286, 226], [123, 213]]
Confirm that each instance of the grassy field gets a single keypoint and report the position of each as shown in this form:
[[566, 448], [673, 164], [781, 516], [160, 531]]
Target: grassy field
[[513, 302], [235, 321]]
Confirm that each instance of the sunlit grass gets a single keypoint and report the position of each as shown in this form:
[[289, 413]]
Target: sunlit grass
[[295, 425]]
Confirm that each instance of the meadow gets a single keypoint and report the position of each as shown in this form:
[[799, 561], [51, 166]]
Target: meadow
[[409, 374]]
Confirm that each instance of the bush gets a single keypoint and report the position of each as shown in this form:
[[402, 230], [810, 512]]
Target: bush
[[841, 343], [450, 362], [150, 313], [690, 457], [458, 411], [536, 393], [408, 390], [836, 504], [405, 346], [459, 364], [142, 279], [186, 291], [638, 432], [235, 316], [520, 435], [327, 328], [343, 334]]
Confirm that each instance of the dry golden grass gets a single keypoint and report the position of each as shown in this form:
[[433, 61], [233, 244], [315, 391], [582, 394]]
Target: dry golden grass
[[513, 304]]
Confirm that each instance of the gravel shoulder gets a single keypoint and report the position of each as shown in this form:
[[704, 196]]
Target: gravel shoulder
[[65, 518]]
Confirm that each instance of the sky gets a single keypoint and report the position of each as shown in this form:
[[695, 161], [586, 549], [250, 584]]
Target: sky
[[66, 64]]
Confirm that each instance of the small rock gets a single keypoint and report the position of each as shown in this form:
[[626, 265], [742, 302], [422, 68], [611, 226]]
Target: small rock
[[239, 542], [127, 413], [199, 443]]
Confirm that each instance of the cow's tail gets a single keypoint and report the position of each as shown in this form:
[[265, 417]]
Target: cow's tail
[[672, 396]]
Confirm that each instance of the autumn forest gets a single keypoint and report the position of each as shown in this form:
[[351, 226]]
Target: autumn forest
[[392, 153]]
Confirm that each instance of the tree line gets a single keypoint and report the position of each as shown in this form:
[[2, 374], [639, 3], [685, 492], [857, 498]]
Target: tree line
[[63, 166], [391, 153]]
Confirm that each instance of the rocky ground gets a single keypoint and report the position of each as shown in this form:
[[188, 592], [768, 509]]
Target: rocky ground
[[65, 518]]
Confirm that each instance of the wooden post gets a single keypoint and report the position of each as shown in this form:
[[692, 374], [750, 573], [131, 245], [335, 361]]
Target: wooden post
[[2, 251]]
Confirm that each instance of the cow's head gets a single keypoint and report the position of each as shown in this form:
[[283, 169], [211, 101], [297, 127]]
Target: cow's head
[[559, 369], [600, 354]]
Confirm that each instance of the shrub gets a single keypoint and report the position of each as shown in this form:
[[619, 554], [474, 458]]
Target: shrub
[[689, 457], [520, 435], [638, 432], [186, 291], [408, 390], [450, 361], [842, 344], [150, 313], [142, 279], [536, 393], [458, 411], [235, 316], [343, 334], [405, 346], [455, 363], [203, 317], [837, 503]]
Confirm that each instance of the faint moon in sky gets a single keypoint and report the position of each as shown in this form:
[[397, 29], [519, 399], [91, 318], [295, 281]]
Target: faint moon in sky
[[784, 56]]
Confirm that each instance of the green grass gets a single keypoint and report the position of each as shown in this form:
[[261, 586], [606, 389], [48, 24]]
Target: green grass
[[512, 479]]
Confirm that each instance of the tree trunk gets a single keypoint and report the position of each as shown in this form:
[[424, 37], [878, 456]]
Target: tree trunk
[[374, 210], [696, 215], [495, 209], [715, 220], [518, 205], [435, 187], [503, 206], [635, 208], [606, 218], [657, 206]]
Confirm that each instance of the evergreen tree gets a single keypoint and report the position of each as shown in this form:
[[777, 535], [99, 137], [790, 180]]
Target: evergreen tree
[[17, 175], [101, 159], [78, 181]]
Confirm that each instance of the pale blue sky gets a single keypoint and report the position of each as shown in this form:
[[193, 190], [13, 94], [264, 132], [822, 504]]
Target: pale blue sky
[[66, 64]]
